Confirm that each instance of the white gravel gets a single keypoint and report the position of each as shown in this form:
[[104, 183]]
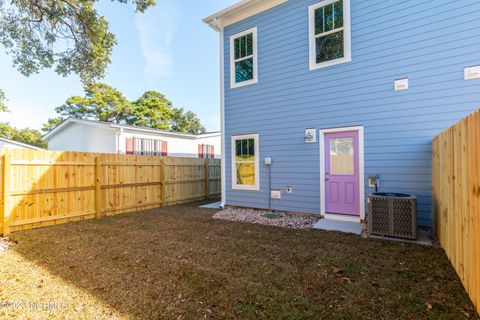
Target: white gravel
[[279, 219], [5, 245]]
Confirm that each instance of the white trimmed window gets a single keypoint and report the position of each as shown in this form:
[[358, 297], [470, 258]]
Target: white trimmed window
[[243, 58], [329, 33], [146, 147], [206, 151], [245, 162]]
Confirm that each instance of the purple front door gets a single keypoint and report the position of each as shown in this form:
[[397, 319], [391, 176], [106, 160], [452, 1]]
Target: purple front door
[[342, 173]]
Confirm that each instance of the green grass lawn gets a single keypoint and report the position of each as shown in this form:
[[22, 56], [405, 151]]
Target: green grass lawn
[[179, 263]]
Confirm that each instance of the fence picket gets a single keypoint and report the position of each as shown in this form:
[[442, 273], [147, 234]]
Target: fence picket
[[7, 172]]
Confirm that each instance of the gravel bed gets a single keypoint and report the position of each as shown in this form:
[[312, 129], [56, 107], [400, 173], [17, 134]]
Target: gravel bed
[[279, 219]]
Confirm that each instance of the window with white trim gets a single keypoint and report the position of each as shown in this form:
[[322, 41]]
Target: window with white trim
[[206, 151], [245, 162], [146, 147], [329, 24], [243, 58]]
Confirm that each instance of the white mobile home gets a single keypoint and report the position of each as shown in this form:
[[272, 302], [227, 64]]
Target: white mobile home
[[10, 144], [103, 137]]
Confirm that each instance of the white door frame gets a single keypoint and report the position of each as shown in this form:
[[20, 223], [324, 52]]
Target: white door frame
[[361, 175]]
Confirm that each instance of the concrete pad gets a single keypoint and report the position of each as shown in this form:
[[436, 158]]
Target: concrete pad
[[423, 238], [340, 226], [215, 205]]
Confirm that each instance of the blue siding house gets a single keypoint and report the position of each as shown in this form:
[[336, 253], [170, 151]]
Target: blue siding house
[[318, 95]]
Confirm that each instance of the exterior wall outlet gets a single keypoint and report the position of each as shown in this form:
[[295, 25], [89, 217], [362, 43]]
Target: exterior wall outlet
[[472, 72], [268, 161], [276, 194], [401, 84]]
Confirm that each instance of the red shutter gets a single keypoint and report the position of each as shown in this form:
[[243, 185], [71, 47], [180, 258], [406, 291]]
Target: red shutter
[[200, 151], [212, 152], [164, 149], [130, 146]]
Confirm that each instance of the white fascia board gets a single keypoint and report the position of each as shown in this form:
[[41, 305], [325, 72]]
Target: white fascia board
[[67, 122], [209, 135], [165, 133], [20, 144], [239, 11], [155, 132], [117, 127]]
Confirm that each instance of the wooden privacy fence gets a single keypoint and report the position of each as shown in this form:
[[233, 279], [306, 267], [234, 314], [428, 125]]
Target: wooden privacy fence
[[456, 192], [41, 188]]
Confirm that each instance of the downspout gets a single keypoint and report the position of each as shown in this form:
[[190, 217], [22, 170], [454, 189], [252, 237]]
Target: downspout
[[220, 28], [119, 132]]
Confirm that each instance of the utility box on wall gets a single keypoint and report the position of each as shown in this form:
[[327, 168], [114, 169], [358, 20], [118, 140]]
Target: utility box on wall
[[276, 194], [401, 84], [472, 72]]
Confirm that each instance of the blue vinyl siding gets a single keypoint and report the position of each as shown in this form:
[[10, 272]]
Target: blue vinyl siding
[[430, 42]]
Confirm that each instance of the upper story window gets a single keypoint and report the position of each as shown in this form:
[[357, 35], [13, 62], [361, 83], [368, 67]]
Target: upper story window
[[329, 24], [243, 58], [245, 162]]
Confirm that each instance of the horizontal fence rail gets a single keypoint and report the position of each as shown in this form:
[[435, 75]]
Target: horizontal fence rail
[[42, 188], [456, 192]]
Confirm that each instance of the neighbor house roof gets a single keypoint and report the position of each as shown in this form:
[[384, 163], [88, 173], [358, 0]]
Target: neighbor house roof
[[70, 121], [20, 144], [240, 11]]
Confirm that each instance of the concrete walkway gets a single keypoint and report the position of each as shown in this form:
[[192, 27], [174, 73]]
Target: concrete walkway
[[340, 226], [215, 205]]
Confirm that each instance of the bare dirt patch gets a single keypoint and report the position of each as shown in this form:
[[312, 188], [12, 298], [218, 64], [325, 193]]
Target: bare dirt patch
[[265, 217], [179, 263]]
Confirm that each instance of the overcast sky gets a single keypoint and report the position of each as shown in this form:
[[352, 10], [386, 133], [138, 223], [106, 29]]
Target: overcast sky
[[167, 49]]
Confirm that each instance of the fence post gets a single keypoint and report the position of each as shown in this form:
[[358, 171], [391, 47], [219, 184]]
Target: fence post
[[7, 160], [207, 176], [162, 181], [98, 187]]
